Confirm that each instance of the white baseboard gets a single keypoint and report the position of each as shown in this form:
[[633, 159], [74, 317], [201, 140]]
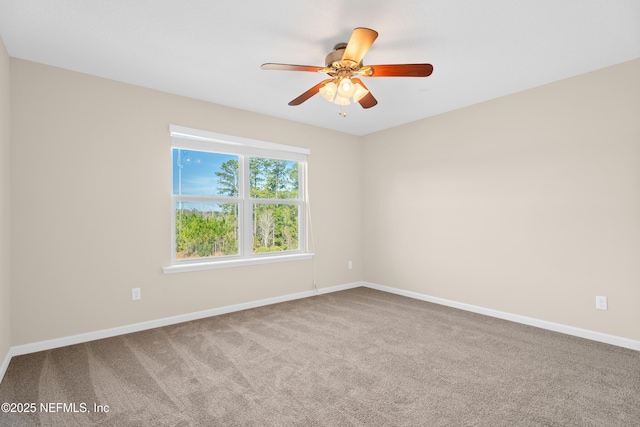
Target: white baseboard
[[137, 327], [5, 363], [543, 324]]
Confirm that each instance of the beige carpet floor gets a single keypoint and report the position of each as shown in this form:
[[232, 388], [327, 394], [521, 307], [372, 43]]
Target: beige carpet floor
[[353, 358]]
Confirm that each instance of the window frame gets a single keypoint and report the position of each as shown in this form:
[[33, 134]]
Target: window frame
[[245, 148]]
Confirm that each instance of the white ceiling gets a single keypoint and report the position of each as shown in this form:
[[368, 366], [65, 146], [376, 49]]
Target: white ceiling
[[212, 50]]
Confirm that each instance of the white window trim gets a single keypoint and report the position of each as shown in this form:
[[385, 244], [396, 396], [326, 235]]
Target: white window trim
[[209, 265], [201, 140]]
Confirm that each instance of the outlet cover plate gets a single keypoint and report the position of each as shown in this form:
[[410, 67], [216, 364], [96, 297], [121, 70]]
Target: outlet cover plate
[[601, 303]]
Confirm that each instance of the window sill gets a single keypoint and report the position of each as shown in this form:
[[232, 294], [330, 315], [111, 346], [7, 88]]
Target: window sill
[[183, 268]]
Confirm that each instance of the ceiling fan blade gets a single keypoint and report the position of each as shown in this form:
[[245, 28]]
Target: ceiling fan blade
[[290, 67], [401, 70], [368, 100], [308, 94], [359, 44]]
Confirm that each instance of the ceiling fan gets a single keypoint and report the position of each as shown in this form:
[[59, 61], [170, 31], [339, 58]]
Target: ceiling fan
[[344, 66]]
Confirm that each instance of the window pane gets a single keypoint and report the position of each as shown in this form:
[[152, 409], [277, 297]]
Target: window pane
[[205, 229], [199, 173], [273, 179], [275, 228]]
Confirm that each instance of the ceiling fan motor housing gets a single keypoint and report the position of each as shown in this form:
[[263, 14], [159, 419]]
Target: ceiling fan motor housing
[[334, 59]]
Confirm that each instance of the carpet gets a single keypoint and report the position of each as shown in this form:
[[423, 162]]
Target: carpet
[[359, 357]]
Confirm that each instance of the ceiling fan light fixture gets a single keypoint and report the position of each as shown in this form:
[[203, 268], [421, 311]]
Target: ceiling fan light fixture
[[359, 92], [329, 91], [346, 88], [341, 100]]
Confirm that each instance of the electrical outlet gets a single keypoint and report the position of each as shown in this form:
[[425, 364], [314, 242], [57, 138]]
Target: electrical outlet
[[135, 294], [350, 265], [601, 303]]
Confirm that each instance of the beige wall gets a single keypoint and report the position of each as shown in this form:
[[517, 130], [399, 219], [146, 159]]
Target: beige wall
[[91, 211], [5, 189], [528, 204]]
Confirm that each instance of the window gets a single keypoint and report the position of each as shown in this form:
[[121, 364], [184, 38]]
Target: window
[[235, 201]]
